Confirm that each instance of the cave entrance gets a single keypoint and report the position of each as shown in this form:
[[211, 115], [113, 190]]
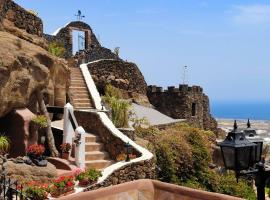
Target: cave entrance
[[78, 41]]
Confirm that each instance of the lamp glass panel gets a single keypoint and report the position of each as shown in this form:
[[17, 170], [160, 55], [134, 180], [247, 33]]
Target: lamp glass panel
[[258, 151], [244, 159], [229, 157]]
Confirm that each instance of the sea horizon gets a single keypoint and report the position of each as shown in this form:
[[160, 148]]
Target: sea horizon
[[241, 110]]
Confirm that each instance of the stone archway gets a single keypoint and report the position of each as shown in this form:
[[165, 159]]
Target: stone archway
[[65, 35]]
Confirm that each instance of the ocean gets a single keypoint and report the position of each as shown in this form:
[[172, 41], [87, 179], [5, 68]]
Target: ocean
[[228, 110], [258, 113]]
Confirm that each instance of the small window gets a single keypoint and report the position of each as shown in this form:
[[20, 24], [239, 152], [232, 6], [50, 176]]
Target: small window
[[193, 112]]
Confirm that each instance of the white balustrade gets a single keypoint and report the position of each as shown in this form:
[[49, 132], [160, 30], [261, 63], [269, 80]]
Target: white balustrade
[[68, 131], [80, 147]]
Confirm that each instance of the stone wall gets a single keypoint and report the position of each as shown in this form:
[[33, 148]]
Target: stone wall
[[120, 74], [185, 102], [92, 123], [64, 35], [134, 171], [20, 17]]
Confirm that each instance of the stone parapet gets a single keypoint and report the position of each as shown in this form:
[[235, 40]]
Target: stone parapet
[[184, 102]]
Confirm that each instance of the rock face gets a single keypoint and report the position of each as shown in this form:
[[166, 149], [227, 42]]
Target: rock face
[[185, 102], [24, 172], [123, 75], [25, 66]]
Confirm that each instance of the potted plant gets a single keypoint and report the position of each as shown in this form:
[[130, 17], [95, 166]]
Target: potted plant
[[62, 186], [40, 121], [123, 156], [65, 148], [35, 191], [37, 123], [93, 175], [4, 144], [87, 177], [35, 153]]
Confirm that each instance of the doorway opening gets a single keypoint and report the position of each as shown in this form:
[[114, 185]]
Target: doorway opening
[[78, 41]]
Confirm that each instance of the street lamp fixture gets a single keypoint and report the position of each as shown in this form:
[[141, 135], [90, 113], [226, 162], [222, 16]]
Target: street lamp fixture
[[128, 151], [241, 152]]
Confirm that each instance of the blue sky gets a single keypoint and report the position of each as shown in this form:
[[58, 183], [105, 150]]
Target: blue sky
[[224, 43]]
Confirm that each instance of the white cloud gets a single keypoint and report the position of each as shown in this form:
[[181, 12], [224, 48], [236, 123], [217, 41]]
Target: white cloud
[[257, 14]]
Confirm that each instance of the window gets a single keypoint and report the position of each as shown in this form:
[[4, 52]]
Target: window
[[193, 112]]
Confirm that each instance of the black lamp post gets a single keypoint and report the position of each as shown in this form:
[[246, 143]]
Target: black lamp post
[[128, 151], [244, 156], [252, 136]]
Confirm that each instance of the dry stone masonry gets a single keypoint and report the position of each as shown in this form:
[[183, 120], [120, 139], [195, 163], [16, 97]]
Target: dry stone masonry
[[183, 103], [20, 17], [93, 50], [123, 75]]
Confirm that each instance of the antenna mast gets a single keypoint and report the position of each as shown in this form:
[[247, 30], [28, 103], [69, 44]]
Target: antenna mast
[[185, 79]]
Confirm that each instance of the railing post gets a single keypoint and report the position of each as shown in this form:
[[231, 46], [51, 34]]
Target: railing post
[[68, 131], [80, 147]]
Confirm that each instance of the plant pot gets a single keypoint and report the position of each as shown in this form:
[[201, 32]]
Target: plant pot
[[65, 155], [84, 183], [62, 193]]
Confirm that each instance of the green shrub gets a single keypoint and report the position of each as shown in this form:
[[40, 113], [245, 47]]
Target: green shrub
[[4, 144], [183, 154], [57, 49], [120, 108], [40, 120]]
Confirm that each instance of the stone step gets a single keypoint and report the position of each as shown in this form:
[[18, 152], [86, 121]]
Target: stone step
[[98, 164], [96, 155], [93, 146], [82, 105], [77, 76], [78, 85], [91, 138], [77, 81], [76, 88], [81, 100], [81, 95]]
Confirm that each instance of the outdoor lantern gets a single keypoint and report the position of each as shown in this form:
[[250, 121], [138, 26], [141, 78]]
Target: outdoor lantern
[[237, 150], [252, 136], [128, 151]]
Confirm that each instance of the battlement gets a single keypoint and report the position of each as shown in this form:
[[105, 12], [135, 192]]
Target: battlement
[[172, 89]]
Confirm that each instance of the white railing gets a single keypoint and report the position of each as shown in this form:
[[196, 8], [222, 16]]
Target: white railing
[[145, 154], [74, 134]]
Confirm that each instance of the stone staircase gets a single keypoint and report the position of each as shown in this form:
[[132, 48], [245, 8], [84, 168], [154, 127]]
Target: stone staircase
[[95, 156], [79, 91]]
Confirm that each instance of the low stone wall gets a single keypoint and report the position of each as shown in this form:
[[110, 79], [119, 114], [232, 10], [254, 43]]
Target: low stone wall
[[92, 123], [123, 75], [20, 17], [98, 53], [134, 171], [149, 190]]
